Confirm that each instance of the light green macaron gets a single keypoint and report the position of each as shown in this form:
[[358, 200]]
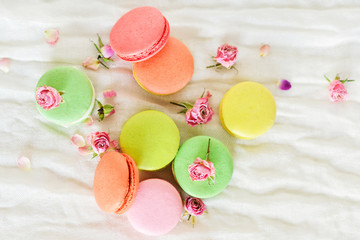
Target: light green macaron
[[151, 138], [219, 155], [77, 93]]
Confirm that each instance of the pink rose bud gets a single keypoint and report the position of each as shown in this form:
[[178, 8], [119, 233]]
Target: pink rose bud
[[5, 65], [91, 63], [201, 170], [99, 141], [109, 93], [24, 163], [200, 113], [47, 97], [107, 51], [194, 206], [264, 50], [52, 36], [226, 55], [337, 91], [284, 84]]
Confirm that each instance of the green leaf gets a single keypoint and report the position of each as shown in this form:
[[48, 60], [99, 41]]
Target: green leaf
[[203, 93], [108, 108], [97, 48], [107, 60], [337, 77], [101, 116], [187, 105], [183, 111], [178, 104], [99, 40], [327, 78], [94, 155], [99, 103]]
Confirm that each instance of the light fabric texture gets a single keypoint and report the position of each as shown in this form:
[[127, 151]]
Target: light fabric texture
[[301, 180]]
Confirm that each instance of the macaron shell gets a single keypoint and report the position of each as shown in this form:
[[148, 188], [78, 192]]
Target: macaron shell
[[168, 71], [247, 110], [78, 95], [157, 208], [114, 182], [219, 155], [151, 138], [139, 34]]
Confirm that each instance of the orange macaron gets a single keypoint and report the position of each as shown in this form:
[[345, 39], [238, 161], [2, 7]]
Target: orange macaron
[[168, 71], [116, 182]]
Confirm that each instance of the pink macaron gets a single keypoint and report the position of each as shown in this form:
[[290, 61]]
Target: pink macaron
[[139, 34], [157, 207]]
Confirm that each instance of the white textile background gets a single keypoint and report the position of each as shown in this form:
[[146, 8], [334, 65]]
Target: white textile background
[[301, 180]]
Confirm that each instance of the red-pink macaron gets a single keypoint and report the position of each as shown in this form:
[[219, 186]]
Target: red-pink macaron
[[139, 34]]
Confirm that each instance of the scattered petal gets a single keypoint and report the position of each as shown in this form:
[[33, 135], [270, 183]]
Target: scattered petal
[[51, 36], [78, 140], [89, 121], [24, 163], [5, 65], [284, 84], [264, 50], [91, 63], [85, 150], [113, 144], [109, 93], [107, 51]]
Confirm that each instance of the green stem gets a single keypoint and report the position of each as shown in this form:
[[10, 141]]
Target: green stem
[[216, 65], [103, 64], [177, 104]]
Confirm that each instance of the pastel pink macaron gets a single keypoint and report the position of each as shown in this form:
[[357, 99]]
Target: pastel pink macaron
[[157, 207], [139, 34]]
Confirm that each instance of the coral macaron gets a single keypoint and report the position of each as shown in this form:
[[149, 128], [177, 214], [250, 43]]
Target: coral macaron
[[116, 182], [139, 34], [167, 72]]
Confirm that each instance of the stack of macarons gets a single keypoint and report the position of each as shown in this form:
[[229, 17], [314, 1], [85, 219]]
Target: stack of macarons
[[162, 64], [150, 140]]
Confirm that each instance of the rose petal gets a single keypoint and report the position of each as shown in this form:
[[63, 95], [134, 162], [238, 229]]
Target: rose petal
[[5, 65], [284, 84], [113, 144], [264, 50], [78, 140], [89, 121], [107, 51], [84, 150], [52, 36], [24, 163], [109, 93], [91, 63]]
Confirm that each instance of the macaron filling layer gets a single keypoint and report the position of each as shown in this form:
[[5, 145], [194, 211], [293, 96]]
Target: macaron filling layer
[[143, 55]]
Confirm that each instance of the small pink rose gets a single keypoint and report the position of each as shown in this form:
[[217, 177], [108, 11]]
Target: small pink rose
[[201, 170], [226, 55], [91, 63], [264, 50], [99, 141], [5, 65], [107, 51], [200, 113], [48, 97], [52, 36], [24, 163], [109, 93], [194, 206], [337, 91], [78, 140]]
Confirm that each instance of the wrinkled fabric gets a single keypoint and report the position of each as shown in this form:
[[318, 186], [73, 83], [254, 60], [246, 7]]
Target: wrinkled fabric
[[300, 180]]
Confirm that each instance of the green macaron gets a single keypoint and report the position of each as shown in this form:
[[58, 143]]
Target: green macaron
[[219, 155], [77, 92], [151, 138]]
